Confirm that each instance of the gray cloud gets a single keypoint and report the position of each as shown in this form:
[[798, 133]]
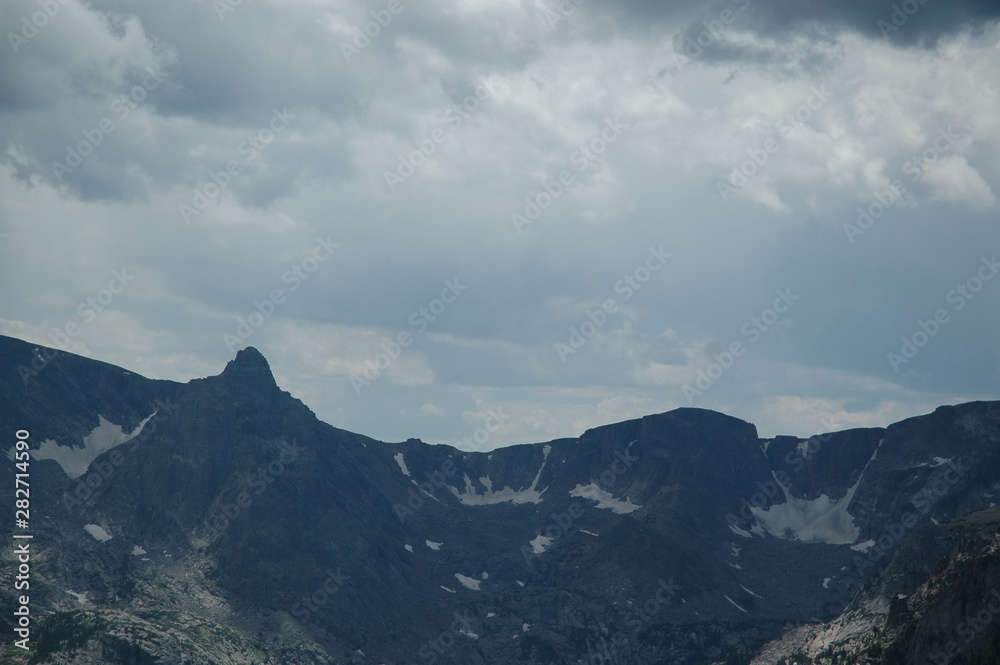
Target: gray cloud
[[816, 110]]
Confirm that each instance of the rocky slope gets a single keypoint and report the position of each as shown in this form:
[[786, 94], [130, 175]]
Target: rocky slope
[[937, 602], [219, 521]]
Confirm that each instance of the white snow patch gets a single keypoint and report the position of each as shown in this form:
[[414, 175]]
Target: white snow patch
[[401, 461], [469, 634], [137, 550], [539, 543], [490, 615], [826, 582], [863, 547], [819, 520], [525, 627], [448, 590], [589, 533], [434, 546], [485, 575], [97, 532], [736, 566], [408, 548], [938, 461], [604, 498], [75, 461], [751, 592], [528, 495], [740, 532], [734, 603], [468, 582], [520, 583], [736, 551], [80, 597]]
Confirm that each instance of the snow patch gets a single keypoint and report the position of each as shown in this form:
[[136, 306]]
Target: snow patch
[[528, 495], [734, 603], [448, 590], [434, 546], [819, 520], [604, 498], [751, 592], [863, 547], [525, 627], [468, 582], [490, 615], [97, 532], [137, 550], [80, 597], [75, 461], [740, 532], [520, 583], [408, 548], [401, 461], [538, 544], [589, 533], [826, 582]]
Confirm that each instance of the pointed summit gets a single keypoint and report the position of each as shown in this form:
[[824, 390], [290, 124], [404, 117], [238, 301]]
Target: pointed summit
[[249, 367]]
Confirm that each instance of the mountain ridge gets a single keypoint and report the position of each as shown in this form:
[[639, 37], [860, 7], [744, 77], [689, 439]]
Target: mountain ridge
[[679, 536]]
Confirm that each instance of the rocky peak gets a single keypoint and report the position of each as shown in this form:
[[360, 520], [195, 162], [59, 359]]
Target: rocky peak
[[250, 368]]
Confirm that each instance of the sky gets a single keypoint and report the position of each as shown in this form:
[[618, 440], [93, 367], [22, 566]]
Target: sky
[[490, 222]]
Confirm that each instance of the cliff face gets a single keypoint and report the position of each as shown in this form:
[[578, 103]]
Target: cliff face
[[224, 507], [937, 602], [955, 616]]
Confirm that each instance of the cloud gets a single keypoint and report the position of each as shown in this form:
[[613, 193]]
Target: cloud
[[541, 156]]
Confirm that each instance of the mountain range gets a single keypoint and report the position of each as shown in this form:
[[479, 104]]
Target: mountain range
[[220, 521]]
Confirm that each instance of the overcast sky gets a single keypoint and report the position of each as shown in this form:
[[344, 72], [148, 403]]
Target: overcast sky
[[565, 213]]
